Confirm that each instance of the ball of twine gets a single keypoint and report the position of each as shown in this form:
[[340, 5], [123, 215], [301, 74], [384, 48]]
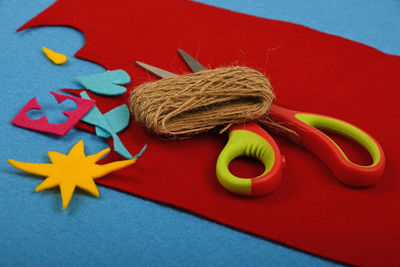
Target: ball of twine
[[205, 100]]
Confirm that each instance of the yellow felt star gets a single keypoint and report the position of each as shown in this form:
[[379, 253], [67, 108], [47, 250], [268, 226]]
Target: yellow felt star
[[72, 170]]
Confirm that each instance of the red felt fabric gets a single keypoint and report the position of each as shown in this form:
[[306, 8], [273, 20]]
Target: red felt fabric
[[310, 71]]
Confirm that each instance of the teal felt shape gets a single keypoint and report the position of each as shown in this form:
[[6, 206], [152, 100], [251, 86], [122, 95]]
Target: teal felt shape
[[107, 83], [117, 119], [96, 118]]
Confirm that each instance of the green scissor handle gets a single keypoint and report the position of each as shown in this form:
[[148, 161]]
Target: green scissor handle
[[250, 140]]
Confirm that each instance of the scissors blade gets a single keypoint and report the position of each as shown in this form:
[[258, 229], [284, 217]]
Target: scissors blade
[[193, 64], [160, 73]]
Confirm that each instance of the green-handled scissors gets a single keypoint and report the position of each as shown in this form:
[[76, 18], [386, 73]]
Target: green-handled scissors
[[251, 140]]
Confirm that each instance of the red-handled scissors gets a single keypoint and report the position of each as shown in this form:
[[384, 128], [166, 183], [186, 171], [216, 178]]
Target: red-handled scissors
[[251, 140]]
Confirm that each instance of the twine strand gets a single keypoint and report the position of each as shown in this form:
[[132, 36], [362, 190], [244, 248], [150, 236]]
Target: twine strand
[[205, 100]]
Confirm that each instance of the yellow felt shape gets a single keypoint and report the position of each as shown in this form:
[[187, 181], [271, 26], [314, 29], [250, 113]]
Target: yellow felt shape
[[57, 58], [72, 170]]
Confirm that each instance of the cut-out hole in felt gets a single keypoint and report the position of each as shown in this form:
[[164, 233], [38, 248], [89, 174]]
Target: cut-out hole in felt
[[42, 124], [53, 111]]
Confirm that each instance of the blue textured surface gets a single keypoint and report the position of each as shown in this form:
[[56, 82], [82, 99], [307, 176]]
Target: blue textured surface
[[119, 229], [371, 22]]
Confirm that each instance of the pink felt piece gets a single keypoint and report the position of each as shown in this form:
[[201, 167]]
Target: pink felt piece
[[43, 125]]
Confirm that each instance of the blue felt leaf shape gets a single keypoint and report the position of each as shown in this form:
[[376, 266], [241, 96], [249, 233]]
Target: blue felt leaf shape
[[96, 118], [117, 119], [107, 83]]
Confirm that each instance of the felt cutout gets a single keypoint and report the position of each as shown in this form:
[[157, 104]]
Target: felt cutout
[[309, 70], [107, 83], [56, 58], [96, 118], [117, 119], [120, 113], [53, 111], [72, 170], [23, 120]]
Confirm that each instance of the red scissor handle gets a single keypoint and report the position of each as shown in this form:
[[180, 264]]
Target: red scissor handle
[[307, 125]]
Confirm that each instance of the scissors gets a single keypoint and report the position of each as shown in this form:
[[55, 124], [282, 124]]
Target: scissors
[[249, 139]]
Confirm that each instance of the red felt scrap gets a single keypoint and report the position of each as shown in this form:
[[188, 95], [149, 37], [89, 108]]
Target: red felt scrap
[[310, 71]]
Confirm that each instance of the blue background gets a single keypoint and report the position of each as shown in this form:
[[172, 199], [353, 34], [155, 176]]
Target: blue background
[[120, 229]]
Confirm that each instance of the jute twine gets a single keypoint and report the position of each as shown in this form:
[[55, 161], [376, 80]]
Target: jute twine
[[205, 100]]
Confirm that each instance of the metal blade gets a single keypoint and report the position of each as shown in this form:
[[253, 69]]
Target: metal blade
[[160, 73], [193, 64]]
